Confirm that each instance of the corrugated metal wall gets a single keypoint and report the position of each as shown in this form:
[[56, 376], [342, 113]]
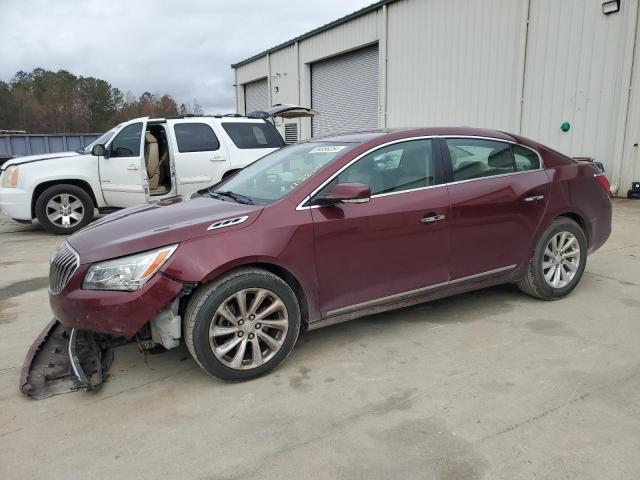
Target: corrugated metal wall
[[454, 62], [21, 144], [344, 92], [517, 65], [574, 73], [630, 168]]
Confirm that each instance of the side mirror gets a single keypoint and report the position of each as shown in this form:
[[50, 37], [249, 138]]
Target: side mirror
[[345, 193], [99, 150]]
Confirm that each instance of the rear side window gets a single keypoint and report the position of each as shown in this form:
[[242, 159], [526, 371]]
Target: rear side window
[[253, 135], [127, 142], [476, 158], [195, 137], [525, 159]]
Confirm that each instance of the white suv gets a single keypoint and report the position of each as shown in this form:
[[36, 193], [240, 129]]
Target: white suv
[[136, 162]]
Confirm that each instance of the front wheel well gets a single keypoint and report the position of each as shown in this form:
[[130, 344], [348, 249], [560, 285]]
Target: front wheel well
[[281, 272], [44, 185]]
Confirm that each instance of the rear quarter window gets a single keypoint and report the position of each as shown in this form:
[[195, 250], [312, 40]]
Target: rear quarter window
[[246, 135], [525, 159]]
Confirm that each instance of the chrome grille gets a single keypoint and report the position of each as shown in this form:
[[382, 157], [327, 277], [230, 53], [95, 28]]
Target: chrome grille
[[64, 263]]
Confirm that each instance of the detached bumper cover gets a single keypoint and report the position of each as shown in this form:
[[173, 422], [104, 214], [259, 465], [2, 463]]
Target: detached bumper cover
[[60, 361]]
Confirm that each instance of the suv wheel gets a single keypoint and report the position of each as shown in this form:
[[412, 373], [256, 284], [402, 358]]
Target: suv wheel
[[558, 261], [243, 325], [64, 209]]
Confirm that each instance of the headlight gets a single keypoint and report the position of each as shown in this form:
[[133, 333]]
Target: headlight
[[10, 177], [127, 273]]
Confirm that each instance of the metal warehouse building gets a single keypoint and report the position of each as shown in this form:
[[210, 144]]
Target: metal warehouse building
[[522, 66]]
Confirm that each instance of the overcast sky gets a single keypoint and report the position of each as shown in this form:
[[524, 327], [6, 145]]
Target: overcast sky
[[181, 47]]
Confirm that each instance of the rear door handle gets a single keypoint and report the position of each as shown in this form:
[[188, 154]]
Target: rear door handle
[[133, 167], [534, 198], [432, 218], [217, 158]]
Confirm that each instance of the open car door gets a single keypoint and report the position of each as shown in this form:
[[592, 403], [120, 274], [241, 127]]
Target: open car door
[[123, 173]]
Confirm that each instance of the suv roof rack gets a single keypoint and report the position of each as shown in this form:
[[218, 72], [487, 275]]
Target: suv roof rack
[[191, 115]]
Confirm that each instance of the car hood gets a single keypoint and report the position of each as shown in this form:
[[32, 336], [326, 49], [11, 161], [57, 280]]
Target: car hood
[[157, 224], [39, 158]]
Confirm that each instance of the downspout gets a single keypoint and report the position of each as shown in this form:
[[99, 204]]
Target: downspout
[[382, 118], [237, 89], [523, 70], [269, 79]]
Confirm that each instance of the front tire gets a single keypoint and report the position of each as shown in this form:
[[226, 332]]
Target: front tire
[[64, 209], [243, 325], [558, 261]]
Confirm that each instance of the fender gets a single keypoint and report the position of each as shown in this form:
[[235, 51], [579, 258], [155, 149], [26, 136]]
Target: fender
[[82, 168]]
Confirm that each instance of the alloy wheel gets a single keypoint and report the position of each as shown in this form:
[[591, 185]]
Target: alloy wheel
[[65, 210], [248, 328], [561, 259]]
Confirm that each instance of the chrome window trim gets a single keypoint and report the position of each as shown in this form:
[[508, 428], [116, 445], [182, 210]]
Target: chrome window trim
[[302, 205], [399, 296]]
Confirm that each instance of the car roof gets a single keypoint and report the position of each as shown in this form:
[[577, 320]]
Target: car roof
[[389, 134]]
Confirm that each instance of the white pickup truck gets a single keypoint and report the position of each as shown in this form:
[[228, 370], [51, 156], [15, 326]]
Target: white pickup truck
[[136, 162]]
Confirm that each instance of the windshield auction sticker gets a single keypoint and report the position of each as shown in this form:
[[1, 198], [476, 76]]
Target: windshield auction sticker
[[328, 149]]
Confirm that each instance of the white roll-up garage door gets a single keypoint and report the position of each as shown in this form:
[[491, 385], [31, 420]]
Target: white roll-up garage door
[[256, 96], [344, 92]]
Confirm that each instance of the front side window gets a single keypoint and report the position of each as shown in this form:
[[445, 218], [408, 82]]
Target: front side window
[[395, 168], [246, 135], [476, 158], [127, 142], [279, 173], [195, 137]]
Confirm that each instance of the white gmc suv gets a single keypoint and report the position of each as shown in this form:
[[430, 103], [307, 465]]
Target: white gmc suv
[[136, 162]]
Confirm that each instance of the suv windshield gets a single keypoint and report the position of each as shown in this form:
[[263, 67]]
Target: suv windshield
[[279, 173], [104, 138]]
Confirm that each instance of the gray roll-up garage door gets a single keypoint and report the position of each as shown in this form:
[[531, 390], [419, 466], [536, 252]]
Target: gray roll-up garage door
[[256, 96], [344, 92]]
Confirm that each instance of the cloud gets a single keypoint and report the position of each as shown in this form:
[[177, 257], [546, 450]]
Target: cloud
[[181, 47]]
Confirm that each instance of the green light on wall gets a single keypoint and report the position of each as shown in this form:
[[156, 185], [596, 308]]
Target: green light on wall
[[565, 127]]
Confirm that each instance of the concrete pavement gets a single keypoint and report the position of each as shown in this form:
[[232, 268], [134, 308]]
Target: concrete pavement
[[490, 384]]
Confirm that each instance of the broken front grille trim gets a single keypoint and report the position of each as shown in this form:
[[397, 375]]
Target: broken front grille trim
[[64, 263]]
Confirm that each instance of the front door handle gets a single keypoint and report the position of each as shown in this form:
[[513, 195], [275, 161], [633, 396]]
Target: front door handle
[[133, 166], [217, 158], [534, 198], [431, 218]]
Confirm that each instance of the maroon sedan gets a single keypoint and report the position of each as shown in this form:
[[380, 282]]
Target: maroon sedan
[[330, 230]]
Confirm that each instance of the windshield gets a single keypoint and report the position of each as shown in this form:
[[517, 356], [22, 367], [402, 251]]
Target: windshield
[[281, 172], [101, 140]]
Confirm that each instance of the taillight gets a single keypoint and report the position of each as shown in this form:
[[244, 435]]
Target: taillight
[[603, 182]]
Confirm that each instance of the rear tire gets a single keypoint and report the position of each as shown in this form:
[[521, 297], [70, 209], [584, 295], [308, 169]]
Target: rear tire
[[558, 261], [229, 331], [64, 209]]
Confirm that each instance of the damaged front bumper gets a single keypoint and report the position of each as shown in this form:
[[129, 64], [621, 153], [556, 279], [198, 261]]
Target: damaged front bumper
[[62, 360]]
